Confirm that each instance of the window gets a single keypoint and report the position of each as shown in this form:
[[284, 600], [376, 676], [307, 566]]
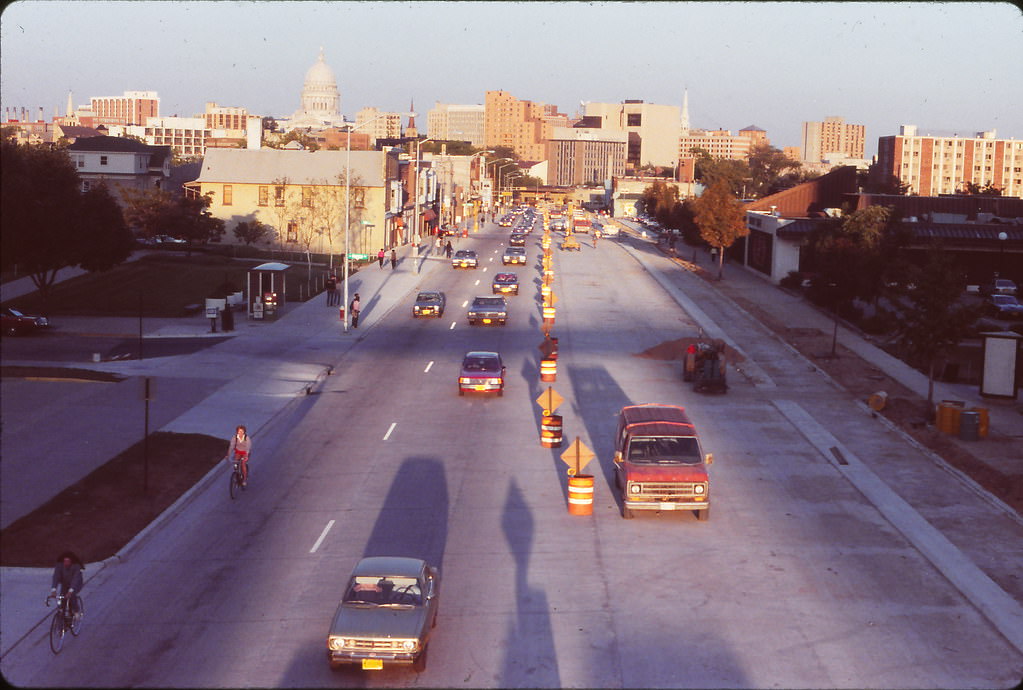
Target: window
[[102, 160], [264, 195], [228, 194], [279, 196], [634, 119], [359, 197], [292, 231], [307, 197]]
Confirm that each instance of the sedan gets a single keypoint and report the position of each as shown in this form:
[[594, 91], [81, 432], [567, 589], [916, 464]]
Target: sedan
[[488, 310], [16, 323], [999, 286], [505, 283], [386, 615], [517, 239], [514, 255], [429, 303], [464, 258], [1004, 306], [481, 371]]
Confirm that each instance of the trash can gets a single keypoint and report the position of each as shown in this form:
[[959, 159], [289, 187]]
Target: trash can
[[948, 416], [985, 421], [969, 425]]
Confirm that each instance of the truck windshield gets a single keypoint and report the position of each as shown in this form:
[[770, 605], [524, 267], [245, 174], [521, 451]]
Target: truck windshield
[[654, 450]]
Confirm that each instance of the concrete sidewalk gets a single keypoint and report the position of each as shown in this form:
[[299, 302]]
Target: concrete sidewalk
[[303, 344]]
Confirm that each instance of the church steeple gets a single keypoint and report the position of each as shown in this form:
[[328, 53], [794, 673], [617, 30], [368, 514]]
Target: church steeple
[[685, 112], [411, 130]]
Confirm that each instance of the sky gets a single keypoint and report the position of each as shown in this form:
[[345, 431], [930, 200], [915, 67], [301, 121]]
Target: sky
[[946, 67]]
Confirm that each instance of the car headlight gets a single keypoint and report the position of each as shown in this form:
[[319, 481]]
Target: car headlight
[[634, 488], [465, 380], [335, 643], [699, 489], [494, 382], [410, 645]]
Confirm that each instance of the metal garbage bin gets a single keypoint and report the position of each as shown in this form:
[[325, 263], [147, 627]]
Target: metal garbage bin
[[969, 425]]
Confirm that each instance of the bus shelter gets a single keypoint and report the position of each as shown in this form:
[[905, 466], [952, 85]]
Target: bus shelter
[[267, 287]]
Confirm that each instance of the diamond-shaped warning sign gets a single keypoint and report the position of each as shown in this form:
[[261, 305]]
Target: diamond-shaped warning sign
[[577, 456], [549, 401]]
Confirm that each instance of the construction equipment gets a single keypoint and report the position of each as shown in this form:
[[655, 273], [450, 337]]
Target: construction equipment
[[704, 365]]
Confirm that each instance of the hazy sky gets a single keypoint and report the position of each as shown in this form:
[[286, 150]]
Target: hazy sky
[[945, 67]]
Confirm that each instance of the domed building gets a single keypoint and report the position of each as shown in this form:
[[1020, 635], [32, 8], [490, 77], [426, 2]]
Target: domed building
[[321, 100]]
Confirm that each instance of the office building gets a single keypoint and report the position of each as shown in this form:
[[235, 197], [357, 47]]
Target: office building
[[820, 139], [584, 156], [449, 122], [653, 130]]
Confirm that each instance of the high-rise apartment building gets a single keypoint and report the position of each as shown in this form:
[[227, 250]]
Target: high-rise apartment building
[[133, 108], [522, 125], [448, 122], [378, 124], [653, 130], [932, 165], [233, 120], [585, 156], [721, 143], [832, 136]]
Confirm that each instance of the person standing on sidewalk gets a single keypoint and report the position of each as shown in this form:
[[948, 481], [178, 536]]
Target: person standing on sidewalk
[[355, 307], [448, 249], [380, 257], [394, 259], [332, 296]]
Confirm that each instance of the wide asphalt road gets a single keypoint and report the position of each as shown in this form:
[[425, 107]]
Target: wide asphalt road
[[797, 580]]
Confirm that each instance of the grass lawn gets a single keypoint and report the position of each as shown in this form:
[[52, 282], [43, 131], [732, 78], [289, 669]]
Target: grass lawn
[[167, 285]]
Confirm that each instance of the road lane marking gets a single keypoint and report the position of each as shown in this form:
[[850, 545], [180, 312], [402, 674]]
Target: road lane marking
[[465, 304], [323, 534], [389, 430], [428, 367], [452, 326], [477, 282]]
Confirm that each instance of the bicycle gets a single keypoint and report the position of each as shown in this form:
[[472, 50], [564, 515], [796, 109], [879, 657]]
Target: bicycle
[[64, 619], [236, 484]]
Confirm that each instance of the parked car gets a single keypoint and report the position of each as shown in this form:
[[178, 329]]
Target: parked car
[[999, 286], [481, 371], [429, 303], [386, 615], [488, 310], [1003, 306], [167, 239], [514, 255], [16, 323], [505, 283], [464, 258], [517, 239]]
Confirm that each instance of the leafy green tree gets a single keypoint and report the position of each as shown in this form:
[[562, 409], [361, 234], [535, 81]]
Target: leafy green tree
[[49, 223], [974, 189], [251, 232], [734, 173], [659, 200], [160, 212], [720, 218], [935, 320], [766, 165]]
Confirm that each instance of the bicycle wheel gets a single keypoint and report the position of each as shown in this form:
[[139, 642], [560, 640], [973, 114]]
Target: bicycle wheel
[[57, 632], [79, 614], [235, 486]]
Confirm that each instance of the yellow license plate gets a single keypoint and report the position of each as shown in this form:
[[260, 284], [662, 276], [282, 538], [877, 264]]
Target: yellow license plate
[[372, 664], [481, 388], [486, 320], [426, 311]]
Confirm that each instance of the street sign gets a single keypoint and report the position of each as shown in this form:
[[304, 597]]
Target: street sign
[[358, 257], [577, 457], [549, 401]]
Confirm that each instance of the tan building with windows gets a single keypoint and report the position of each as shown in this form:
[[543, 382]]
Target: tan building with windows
[[133, 108], [580, 156], [448, 122], [721, 143], [830, 137], [523, 126], [302, 196], [378, 124], [933, 165], [652, 130]]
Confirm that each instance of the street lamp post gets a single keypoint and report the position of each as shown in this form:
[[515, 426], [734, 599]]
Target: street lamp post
[[415, 219], [501, 176], [348, 202]]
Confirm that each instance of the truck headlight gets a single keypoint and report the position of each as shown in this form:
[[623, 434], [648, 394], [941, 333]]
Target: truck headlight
[[634, 488], [335, 643], [699, 489], [410, 645], [465, 381]]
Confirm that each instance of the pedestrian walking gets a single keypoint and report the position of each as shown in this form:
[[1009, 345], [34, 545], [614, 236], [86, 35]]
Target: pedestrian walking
[[332, 296], [355, 308], [448, 249], [394, 259], [380, 257]]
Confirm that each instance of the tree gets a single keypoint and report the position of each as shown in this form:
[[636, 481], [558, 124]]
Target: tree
[[974, 189], [660, 200], [49, 223], [251, 232], [161, 212], [766, 165], [734, 173], [934, 321], [720, 218]]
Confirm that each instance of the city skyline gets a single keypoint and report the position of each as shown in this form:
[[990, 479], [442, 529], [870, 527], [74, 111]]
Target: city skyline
[[773, 65]]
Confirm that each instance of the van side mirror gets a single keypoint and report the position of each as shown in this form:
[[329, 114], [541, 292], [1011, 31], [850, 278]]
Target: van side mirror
[[709, 459], [618, 456]]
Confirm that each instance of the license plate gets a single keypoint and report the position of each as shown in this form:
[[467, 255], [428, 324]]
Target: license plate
[[481, 388], [486, 320], [426, 311], [667, 506], [372, 664]]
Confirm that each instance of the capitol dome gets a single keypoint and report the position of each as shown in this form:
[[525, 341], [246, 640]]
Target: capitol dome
[[321, 100], [320, 75]]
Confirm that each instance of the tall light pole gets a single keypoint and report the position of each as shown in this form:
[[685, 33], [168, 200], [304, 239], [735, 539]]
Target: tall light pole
[[348, 201], [494, 163], [479, 177], [419, 234], [502, 176]]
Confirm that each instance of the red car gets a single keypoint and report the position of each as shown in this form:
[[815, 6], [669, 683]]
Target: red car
[[16, 323], [481, 371]]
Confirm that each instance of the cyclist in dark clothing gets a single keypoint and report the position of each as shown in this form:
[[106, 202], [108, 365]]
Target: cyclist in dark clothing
[[68, 574]]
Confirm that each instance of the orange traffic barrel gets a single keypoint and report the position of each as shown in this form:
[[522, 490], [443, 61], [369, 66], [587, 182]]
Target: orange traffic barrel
[[548, 313], [580, 494], [548, 370], [948, 416], [550, 431], [545, 290]]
